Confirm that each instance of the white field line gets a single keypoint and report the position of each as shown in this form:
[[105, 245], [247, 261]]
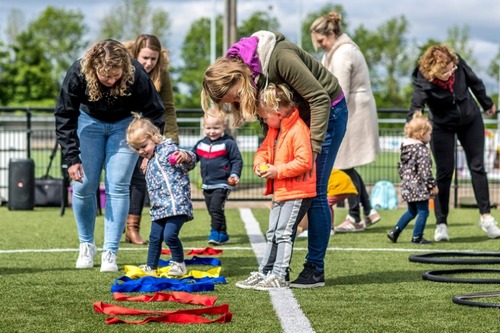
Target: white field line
[[287, 309]]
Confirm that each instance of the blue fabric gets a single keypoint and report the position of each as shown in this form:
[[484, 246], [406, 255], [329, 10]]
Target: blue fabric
[[194, 261], [153, 284], [319, 215]]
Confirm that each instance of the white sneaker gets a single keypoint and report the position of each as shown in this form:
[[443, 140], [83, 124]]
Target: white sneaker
[[489, 226], [108, 262], [86, 255], [251, 281], [148, 270], [349, 225], [372, 218], [304, 233], [177, 268], [441, 232]]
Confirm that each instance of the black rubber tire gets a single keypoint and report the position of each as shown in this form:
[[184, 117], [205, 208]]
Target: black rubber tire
[[464, 299], [443, 258], [436, 275]]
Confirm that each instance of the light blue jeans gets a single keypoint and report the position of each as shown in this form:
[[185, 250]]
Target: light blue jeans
[[319, 215], [103, 145]]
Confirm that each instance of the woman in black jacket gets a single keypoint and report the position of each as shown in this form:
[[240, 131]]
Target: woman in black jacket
[[92, 114], [443, 81]]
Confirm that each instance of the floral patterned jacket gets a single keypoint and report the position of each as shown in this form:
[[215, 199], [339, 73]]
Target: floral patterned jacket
[[168, 185], [415, 170]]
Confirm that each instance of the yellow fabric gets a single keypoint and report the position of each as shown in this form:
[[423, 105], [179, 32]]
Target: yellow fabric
[[340, 183], [135, 272]]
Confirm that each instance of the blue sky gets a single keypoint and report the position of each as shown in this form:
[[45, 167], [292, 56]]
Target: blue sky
[[427, 18]]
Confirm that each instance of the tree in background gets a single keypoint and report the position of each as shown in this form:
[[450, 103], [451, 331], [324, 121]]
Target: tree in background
[[259, 20], [39, 55], [130, 18], [15, 24]]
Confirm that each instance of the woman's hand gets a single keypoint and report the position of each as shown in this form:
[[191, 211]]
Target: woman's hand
[[76, 172], [492, 111]]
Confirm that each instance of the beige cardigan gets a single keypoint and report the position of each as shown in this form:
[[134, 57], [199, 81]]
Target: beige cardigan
[[360, 145]]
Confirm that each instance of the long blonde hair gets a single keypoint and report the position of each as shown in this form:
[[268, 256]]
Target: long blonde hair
[[151, 42], [223, 74], [102, 57], [434, 59], [326, 25]]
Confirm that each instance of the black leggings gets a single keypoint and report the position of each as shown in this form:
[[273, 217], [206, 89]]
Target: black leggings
[[215, 200], [471, 137], [138, 190], [361, 198]]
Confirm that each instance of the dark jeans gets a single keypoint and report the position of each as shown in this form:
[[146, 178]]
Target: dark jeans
[[215, 200], [138, 190], [443, 143], [362, 198], [166, 229], [420, 208]]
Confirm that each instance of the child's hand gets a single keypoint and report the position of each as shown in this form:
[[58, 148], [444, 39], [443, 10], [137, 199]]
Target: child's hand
[[434, 191], [232, 181], [267, 171], [144, 165], [178, 157]]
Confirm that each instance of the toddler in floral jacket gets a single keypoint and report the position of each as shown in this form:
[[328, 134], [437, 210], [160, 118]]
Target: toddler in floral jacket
[[167, 180], [417, 183]]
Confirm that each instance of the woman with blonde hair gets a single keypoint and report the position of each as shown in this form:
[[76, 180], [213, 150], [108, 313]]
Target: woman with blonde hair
[[445, 83], [234, 81], [345, 60], [147, 49], [92, 114]]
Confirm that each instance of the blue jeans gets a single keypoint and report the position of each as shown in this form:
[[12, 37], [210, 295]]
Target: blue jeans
[[103, 145], [166, 229], [420, 208], [319, 215]]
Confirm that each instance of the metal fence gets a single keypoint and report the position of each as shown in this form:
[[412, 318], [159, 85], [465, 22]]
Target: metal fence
[[30, 133]]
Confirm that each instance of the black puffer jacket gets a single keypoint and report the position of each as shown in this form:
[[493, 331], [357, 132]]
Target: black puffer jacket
[[415, 170], [447, 109]]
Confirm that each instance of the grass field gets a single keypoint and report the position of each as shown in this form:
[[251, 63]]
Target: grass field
[[370, 284]]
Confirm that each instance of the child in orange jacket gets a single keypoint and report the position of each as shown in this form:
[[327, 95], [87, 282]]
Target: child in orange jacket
[[285, 154]]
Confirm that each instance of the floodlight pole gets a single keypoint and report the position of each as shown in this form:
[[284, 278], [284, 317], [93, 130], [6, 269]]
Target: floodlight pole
[[229, 24]]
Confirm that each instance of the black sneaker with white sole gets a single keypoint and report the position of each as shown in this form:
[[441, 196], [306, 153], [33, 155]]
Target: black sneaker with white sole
[[309, 277]]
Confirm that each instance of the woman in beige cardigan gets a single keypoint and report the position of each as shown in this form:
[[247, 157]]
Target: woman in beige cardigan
[[346, 61]]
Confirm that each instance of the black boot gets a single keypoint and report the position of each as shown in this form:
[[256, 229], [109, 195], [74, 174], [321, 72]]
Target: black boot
[[394, 234]]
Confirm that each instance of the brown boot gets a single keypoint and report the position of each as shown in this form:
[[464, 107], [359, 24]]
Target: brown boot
[[132, 234]]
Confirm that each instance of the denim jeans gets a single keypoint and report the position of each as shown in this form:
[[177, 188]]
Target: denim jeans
[[420, 208], [319, 215], [167, 230], [103, 145]]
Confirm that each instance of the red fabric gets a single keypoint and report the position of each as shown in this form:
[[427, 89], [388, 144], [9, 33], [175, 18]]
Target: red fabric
[[446, 85], [208, 251], [176, 296], [185, 316]]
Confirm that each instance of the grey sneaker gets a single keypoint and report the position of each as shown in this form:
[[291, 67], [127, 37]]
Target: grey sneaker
[[148, 270], [271, 282], [108, 262], [86, 255], [489, 226], [251, 281], [177, 268]]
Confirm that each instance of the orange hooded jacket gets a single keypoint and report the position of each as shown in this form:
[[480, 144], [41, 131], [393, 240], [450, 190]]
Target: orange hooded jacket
[[292, 157]]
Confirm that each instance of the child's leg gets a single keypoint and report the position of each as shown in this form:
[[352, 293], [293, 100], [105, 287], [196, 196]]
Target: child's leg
[[215, 201], [286, 218], [171, 236], [423, 214], [332, 201], [407, 216], [155, 242]]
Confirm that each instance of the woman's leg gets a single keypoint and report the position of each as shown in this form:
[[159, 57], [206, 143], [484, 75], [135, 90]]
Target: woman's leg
[[119, 166], [92, 151], [319, 215]]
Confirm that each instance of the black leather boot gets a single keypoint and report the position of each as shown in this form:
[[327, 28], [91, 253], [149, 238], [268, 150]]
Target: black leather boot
[[394, 234]]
